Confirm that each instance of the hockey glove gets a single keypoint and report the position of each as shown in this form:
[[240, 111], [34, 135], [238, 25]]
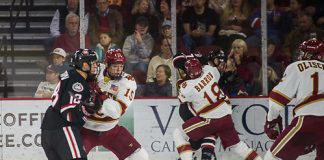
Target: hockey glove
[[93, 104], [273, 128]]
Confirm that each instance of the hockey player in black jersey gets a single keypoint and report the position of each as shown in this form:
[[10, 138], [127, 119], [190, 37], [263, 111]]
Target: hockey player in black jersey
[[60, 137]]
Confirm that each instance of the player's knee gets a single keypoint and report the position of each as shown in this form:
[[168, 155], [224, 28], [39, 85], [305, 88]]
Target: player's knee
[[139, 154], [269, 156]]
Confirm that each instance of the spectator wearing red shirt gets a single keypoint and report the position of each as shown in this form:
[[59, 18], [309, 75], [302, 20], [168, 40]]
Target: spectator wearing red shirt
[[70, 40]]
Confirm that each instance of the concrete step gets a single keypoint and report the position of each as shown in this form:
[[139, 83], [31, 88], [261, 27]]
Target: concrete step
[[20, 25], [31, 13], [36, 2], [27, 36], [28, 48], [25, 59]]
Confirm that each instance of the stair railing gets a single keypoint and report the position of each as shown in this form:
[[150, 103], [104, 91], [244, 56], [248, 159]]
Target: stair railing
[[13, 23], [4, 52]]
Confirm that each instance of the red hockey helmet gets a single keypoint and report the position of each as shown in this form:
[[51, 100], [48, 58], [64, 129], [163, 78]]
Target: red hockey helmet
[[320, 55], [308, 49], [114, 56], [193, 68]]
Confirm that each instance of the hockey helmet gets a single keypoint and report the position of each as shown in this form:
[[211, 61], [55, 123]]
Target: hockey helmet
[[217, 53], [193, 68], [309, 49], [83, 56], [114, 56]]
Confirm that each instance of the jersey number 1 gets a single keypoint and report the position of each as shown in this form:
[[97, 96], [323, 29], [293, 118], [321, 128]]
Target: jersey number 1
[[315, 83]]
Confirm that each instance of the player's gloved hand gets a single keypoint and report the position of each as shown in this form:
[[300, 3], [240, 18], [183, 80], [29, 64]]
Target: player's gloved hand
[[93, 104], [273, 128], [103, 96]]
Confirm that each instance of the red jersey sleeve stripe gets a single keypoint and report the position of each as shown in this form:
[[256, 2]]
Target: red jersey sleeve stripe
[[123, 106], [279, 98]]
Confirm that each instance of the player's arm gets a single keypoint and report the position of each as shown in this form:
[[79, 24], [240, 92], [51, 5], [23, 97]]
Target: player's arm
[[74, 113], [115, 108], [282, 94]]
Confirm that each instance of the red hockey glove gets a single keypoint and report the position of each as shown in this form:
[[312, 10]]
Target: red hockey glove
[[103, 96], [273, 128]]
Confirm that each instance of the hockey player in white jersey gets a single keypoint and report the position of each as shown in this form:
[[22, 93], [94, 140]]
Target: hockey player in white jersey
[[303, 80], [212, 111], [117, 90]]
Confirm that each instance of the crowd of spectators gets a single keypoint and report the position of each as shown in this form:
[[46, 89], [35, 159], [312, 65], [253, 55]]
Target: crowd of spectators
[[142, 29]]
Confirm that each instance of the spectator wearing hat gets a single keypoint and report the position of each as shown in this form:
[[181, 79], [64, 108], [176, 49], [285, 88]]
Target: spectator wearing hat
[[138, 47], [166, 29], [46, 88], [58, 57]]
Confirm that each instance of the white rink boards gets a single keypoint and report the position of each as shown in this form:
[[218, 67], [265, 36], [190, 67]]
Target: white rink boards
[[150, 120]]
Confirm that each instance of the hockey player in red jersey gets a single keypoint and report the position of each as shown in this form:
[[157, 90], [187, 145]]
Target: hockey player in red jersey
[[207, 144], [117, 90], [61, 138], [302, 80], [212, 111]]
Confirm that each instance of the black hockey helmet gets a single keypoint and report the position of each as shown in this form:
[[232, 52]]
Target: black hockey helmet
[[217, 53], [83, 55]]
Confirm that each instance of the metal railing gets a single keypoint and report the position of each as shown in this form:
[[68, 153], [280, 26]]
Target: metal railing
[[3, 67]]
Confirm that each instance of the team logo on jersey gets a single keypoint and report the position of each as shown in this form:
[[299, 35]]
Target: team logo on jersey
[[78, 87]]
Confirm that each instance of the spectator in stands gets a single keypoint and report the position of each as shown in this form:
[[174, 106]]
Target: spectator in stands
[[166, 29], [144, 8], [273, 80], [316, 10], [70, 40], [200, 24], [161, 85], [274, 25], [106, 19], [164, 57], [105, 43], [46, 88], [295, 8], [233, 23], [218, 5], [58, 60], [138, 47], [57, 26], [246, 68], [276, 58], [165, 10], [113, 3], [233, 84], [305, 30]]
